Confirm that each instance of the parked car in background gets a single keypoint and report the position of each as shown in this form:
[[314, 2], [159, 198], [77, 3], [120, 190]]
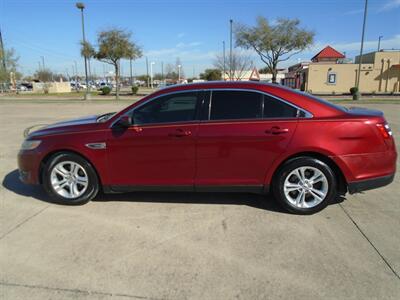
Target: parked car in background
[[220, 136], [104, 84], [26, 86]]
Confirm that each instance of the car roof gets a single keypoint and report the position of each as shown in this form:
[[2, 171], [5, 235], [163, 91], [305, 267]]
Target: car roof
[[302, 100]]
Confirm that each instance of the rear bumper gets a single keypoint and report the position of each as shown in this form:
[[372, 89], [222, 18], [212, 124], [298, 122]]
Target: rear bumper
[[366, 166], [369, 184]]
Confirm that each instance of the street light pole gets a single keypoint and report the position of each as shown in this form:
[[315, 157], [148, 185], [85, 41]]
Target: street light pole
[[223, 54], [130, 66], [81, 7], [230, 53], [362, 45], [147, 71], [76, 76], [151, 73], [379, 42]]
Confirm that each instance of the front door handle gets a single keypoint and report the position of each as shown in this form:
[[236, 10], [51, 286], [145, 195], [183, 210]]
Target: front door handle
[[180, 133], [277, 130]]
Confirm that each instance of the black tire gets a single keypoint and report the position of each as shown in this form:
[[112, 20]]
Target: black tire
[[293, 164], [93, 182]]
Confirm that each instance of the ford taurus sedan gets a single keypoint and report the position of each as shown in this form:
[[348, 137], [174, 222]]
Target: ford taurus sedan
[[216, 137]]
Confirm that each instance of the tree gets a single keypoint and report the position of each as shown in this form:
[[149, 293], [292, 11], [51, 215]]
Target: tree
[[44, 75], [211, 74], [114, 45], [11, 64], [240, 64], [274, 43], [171, 72]]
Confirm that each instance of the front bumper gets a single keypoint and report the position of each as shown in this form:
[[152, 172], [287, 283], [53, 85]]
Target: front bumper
[[28, 166], [369, 184]]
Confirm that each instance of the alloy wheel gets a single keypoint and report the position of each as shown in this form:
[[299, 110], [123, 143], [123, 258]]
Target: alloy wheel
[[69, 179], [305, 187]]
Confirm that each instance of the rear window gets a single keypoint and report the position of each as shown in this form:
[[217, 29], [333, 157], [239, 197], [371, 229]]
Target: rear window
[[330, 104]]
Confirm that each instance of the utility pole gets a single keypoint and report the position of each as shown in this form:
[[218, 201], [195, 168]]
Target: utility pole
[[3, 53], [147, 71], [81, 7], [362, 45], [230, 53], [223, 54], [162, 71], [379, 42], [44, 68]]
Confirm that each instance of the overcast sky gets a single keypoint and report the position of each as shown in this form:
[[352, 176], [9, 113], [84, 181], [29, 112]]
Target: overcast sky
[[191, 30]]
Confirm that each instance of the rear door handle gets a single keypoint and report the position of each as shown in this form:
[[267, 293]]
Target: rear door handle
[[180, 133], [277, 130]]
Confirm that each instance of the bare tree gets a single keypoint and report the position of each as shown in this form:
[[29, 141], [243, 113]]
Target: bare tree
[[274, 43], [44, 75], [241, 63], [171, 72]]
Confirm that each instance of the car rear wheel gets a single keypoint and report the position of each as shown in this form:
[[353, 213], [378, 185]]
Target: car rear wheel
[[305, 185], [70, 179]]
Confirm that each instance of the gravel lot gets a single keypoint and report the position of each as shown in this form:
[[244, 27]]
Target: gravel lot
[[186, 245]]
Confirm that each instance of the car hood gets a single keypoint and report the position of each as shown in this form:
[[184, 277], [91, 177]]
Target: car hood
[[79, 124]]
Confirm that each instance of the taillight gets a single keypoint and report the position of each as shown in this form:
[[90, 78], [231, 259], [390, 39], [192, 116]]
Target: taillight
[[384, 129]]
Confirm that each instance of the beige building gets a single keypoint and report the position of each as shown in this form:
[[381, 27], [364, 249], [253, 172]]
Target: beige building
[[51, 87], [329, 73]]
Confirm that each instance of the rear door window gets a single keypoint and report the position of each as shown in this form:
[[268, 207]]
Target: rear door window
[[235, 105]]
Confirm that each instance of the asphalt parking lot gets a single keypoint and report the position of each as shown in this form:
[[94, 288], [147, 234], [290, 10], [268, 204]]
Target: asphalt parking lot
[[186, 245]]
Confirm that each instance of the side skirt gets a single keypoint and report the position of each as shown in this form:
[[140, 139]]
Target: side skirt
[[256, 189]]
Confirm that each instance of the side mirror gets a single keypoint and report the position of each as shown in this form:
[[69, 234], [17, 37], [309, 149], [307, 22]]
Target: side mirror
[[125, 121]]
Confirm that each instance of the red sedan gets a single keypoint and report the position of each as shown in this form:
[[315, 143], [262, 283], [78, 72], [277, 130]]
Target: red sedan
[[221, 136]]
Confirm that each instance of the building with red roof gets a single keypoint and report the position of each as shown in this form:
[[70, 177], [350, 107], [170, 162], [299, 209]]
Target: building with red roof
[[329, 72], [328, 54]]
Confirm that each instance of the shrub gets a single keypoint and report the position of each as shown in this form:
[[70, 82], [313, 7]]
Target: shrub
[[135, 89], [354, 90], [105, 90]]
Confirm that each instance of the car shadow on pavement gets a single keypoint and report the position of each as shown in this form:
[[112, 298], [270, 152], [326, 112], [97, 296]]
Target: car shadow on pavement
[[12, 183]]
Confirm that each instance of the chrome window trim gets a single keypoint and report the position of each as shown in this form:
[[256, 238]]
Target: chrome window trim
[[307, 114]]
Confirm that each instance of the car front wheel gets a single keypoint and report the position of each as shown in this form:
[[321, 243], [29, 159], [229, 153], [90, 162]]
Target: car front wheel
[[70, 179], [305, 185]]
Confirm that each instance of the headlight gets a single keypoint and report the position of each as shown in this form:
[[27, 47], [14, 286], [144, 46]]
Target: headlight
[[30, 145]]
